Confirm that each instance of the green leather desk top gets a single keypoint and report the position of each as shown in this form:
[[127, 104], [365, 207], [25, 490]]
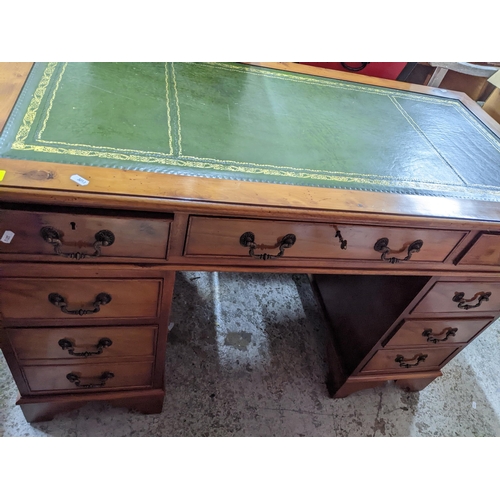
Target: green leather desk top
[[233, 121]]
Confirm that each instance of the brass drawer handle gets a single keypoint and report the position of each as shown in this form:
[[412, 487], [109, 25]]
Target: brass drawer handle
[[382, 246], [248, 240], [75, 379], [101, 300], [462, 303], [103, 238], [410, 363], [450, 332], [66, 344]]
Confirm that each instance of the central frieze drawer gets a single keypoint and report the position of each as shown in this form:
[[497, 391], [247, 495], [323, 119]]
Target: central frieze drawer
[[88, 377], [474, 297], [89, 343], [78, 299], [212, 236], [76, 236]]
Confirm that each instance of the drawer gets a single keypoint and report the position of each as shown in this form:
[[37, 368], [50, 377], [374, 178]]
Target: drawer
[[82, 343], [437, 332], [485, 251], [473, 297], [404, 360], [212, 236], [88, 377], [79, 299], [73, 236]]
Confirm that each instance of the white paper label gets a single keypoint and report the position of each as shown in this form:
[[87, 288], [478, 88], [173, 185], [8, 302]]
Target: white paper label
[[474, 405], [79, 180], [7, 237]]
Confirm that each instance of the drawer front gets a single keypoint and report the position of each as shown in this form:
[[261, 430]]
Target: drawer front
[[437, 332], [81, 298], [405, 360], [211, 236], [474, 297], [100, 376], [72, 237], [82, 343], [484, 252]]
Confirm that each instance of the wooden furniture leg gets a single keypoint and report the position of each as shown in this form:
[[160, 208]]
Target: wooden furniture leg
[[415, 384], [41, 410]]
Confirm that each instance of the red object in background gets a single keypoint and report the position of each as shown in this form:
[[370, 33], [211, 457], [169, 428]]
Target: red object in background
[[389, 70]]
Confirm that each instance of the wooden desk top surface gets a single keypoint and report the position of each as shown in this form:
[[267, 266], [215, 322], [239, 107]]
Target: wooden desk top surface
[[380, 147]]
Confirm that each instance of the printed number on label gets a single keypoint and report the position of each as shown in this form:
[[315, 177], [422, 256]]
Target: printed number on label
[[79, 180]]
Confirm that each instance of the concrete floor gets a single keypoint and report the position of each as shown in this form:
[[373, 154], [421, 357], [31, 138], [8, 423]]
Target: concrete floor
[[245, 357]]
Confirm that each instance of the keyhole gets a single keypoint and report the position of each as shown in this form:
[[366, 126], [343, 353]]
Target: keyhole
[[73, 225]]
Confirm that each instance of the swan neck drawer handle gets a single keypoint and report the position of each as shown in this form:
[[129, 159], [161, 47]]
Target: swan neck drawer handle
[[248, 240], [382, 246], [410, 363], [59, 301], [462, 302], [75, 379], [67, 345], [450, 332], [51, 235]]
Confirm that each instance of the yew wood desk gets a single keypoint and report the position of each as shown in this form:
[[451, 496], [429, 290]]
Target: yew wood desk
[[115, 176]]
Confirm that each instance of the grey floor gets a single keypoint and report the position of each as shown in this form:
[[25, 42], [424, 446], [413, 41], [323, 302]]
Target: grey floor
[[245, 357]]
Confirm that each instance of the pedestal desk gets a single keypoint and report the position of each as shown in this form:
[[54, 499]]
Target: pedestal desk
[[115, 176]]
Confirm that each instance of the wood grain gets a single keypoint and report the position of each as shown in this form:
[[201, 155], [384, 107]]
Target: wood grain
[[28, 298], [42, 343], [137, 237], [411, 332], [485, 251], [53, 378], [12, 78], [39, 182], [385, 359], [216, 236], [440, 298], [492, 105], [46, 407]]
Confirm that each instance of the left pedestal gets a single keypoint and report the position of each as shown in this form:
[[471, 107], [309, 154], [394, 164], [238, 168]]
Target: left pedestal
[[97, 334]]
